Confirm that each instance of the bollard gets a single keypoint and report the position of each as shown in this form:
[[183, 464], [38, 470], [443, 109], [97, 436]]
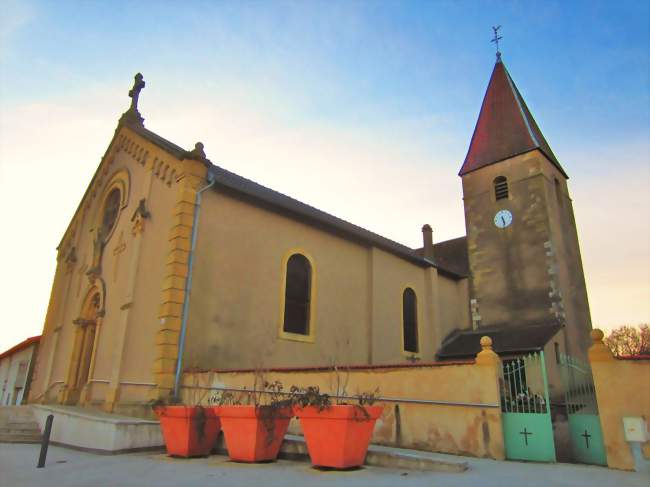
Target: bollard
[[45, 442]]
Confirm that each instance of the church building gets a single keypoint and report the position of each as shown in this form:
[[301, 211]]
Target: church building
[[171, 263]]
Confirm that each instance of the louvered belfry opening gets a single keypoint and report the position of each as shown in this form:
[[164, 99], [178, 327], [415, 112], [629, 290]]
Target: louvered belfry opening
[[501, 187]]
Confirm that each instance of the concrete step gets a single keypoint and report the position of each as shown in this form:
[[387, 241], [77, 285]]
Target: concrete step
[[14, 438], [294, 447], [20, 424], [19, 431]]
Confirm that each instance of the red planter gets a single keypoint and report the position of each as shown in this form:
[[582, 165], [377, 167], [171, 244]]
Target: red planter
[[338, 436], [189, 431], [254, 434]]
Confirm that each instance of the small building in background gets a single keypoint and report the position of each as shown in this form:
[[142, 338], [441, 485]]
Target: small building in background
[[16, 366]]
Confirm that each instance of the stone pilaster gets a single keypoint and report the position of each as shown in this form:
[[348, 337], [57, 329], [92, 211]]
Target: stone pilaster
[[176, 270]]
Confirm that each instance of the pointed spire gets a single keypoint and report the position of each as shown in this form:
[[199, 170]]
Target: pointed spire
[[505, 127]]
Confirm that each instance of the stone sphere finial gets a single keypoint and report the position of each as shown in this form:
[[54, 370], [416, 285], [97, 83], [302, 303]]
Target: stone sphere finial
[[486, 343], [597, 335]]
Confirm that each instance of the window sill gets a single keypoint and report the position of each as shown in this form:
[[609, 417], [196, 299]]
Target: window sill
[[296, 337]]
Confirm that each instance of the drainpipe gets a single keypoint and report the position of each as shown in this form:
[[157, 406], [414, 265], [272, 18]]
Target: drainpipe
[[188, 281]]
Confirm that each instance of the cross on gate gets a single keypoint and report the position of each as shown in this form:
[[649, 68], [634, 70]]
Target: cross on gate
[[586, 436], [525, 433]]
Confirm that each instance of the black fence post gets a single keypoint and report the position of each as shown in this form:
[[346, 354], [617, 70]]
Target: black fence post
[[45, 442]]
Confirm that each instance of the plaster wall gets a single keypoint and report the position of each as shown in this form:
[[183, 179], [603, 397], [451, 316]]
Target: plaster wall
[[9, 368], [454, 307], [622, 390], [457, 429], [236, 311]]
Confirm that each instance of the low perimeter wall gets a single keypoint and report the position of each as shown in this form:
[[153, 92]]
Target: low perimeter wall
[[450, 408], [622, 390]]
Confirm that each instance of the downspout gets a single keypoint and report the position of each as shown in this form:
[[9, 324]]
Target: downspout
[[188, 281]]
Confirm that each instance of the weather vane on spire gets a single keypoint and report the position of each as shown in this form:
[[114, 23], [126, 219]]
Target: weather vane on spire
[[496, 39]]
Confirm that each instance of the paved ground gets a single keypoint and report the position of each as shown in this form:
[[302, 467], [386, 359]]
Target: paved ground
[[67, 467]]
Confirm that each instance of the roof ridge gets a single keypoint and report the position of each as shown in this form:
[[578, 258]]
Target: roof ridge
[[300, 207]]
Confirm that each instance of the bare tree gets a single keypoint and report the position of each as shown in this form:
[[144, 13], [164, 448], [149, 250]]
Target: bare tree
[[629, 340]]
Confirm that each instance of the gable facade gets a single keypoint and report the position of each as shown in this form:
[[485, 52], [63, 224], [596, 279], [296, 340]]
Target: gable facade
[[112, 332]]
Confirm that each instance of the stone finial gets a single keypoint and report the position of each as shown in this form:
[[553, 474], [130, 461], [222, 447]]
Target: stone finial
[[599, 352], [487, 356], [198, 154], [427, 242], [597, 335]]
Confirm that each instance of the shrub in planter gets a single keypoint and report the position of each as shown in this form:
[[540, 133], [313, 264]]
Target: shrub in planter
[[254, 432], [337, 435], [189, 431]]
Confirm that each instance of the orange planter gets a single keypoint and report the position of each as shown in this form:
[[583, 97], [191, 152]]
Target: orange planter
[[338, 436], [254, 434], [189, 431]]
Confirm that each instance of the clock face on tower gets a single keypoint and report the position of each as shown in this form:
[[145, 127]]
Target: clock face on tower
[[503, 218]]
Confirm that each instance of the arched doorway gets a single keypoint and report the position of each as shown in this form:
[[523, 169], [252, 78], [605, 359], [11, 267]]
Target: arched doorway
[[84, 344]]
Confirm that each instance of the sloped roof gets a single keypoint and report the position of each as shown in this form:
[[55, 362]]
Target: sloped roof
[[506, 340], [267, 197], [505, 127], [22, 345], [452, 254]]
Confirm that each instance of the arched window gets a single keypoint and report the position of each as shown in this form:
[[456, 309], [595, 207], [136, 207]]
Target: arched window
[[501, 187], [110, 212], [410, 321], [297, 295]]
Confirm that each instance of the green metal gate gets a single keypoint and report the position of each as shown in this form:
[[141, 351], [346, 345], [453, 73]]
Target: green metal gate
[[525, 406], [585, 434]]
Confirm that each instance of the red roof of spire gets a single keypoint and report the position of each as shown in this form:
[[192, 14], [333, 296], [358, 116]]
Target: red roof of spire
[[505, 127]]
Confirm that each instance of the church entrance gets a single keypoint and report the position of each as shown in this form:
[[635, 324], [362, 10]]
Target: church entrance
[[526, 412], [585, 433], [83, 350]]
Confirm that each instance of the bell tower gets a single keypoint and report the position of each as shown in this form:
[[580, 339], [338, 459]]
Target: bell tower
[[522, 241]]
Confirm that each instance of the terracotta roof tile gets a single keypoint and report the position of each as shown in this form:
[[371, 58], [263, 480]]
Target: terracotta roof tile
[[505, 127]]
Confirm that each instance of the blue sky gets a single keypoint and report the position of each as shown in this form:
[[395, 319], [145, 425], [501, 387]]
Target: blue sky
[[363, 109]]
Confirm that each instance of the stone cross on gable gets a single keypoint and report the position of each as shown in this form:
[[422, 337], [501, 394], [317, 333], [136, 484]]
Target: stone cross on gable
[[132, 115], [134, 92]]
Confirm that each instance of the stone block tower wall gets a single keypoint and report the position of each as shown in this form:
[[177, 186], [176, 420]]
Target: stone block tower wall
[[530, 272]]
